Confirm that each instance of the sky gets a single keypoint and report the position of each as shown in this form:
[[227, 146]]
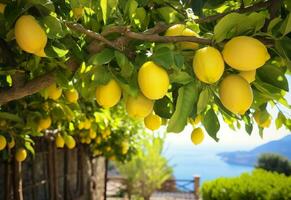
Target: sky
[[235, 140]]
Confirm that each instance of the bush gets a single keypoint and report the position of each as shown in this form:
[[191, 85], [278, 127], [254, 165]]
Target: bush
[[274, 163], [260, 184]]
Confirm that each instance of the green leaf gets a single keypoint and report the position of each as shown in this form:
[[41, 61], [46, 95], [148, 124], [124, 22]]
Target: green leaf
[[211, 124], [164, 107], [280, 120], [202, 101], [169, 14], [273, 75], [286, 26], [101, 58], [125, 65], [248, 124], [10, 116], [283, 47], [53, 27], [235, 24], [163, 57], [187, 97], [181, 77], [103, 5], [29, 147]]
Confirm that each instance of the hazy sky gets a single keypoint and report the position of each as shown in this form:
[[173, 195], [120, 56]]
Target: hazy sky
[[230, 139]]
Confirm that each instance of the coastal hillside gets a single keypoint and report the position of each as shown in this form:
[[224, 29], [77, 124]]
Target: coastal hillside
[[249, 158]]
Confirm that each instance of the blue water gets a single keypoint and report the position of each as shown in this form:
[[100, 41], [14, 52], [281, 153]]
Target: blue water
[[187, 163], [189, 160]]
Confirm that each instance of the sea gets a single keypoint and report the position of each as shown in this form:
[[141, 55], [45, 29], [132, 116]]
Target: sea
[[189, 160]]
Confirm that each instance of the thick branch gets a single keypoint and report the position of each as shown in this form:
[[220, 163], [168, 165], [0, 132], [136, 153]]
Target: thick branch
[[254, 7], [32, 86], [27, 89]]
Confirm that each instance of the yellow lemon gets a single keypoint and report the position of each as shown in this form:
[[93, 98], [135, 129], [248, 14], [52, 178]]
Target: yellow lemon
[[29, 34], [11, 144], [21, 154], [54, 92], [70, 141], [40, 53], [139, 107], [88, 140], [250, 76], [60, 142], [124, 147], [153, 80], [3, 142], [152, 122], [181, 30], [106, 132], [2, 7], [197, 136], [98, 140], [208, 65], [108, 95], [262, 123], [72, 96], [44, 123], [87, 124], [245, 53], [92, 134], [236, 94], [78, 12]]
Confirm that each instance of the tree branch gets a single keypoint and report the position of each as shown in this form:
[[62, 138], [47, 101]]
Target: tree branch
[[91, 34], [32, 86]]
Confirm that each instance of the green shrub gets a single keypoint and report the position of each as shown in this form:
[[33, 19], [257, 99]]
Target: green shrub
[[274, 163], [258, 185]]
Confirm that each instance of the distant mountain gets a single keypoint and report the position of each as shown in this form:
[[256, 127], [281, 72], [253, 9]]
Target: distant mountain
[[249, 158]]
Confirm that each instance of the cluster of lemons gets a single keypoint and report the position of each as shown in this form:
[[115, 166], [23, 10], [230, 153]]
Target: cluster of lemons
[[20, 153]]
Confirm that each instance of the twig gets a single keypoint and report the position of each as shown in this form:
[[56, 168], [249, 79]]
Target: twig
[[89, 33]]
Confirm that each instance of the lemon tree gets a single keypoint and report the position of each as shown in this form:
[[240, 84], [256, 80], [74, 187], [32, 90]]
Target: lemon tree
[[94, 73]]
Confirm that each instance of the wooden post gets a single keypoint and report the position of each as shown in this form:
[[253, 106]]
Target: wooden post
[[18, 194], [196, 186], [105, 179]]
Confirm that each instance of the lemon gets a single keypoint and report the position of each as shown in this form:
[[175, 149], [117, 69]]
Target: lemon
[[21, 154], [108, 95], [88, 140], [54, 92], [81, 125], [245, 53], [60, 142], [78, 12], [40, 53], [197, 136], [208, 65], [87, 124], [92, 134], [236, 94], [106, 132], [250, 76], [152, 122], [124, 147], [2, 8], [263, 123], [70, 141], [11, 144], [98, 140], [181, 30], [139, 107], [72, 96], [153, 80], [3, 142], [44, 123], [29, 34]]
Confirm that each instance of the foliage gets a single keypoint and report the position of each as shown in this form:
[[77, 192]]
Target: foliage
[[147, 170], [91, 42], [274, 163], [259, 184]]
